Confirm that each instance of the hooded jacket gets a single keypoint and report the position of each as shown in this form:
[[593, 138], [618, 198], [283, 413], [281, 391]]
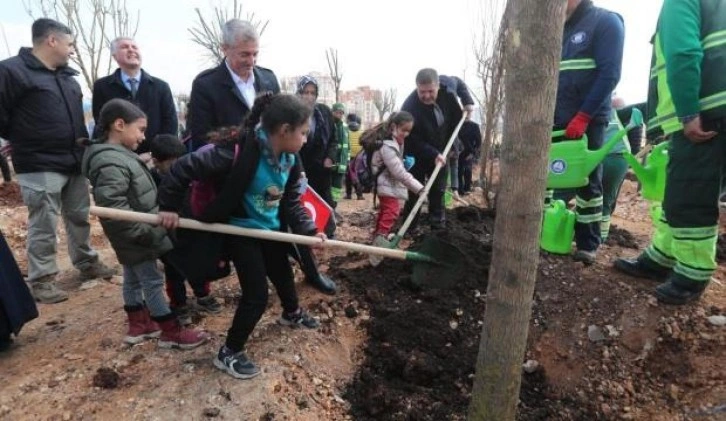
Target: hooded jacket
[[121, 180], [394, 181], [41, 114]]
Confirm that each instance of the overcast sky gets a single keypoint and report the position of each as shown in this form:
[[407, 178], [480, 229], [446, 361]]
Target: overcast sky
[[383, 44]]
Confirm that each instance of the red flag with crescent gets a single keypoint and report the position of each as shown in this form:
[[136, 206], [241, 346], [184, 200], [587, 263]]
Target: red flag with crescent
[[316, 207]]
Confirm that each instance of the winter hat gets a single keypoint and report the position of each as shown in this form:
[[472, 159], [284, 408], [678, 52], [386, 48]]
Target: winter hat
[[304, 81], [339, 107]]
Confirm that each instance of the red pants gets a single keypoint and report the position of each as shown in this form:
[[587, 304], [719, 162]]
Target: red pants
[[388, 210]]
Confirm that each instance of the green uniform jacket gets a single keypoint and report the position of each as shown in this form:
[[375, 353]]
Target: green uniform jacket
[[687, 68], [343, 147], [121, 180]]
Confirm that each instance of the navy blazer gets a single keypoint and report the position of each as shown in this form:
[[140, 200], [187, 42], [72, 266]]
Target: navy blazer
[[216, 101], [153, 97]]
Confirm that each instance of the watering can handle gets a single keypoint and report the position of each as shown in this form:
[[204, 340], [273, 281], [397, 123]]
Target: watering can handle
[[561, 133], [153, 219]]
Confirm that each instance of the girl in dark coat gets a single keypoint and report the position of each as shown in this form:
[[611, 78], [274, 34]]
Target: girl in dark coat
[[260, 186]]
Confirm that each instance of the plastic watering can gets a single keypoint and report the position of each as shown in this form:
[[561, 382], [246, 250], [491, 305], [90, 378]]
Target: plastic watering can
[[558, 228], [571, 162], [652, 175]]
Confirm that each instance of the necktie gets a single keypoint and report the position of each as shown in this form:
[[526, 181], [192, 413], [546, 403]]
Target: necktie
[[134, 87], [439, 115]]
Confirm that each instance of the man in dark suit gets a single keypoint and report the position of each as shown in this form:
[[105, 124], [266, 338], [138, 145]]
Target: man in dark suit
[[223, 96], [134, 84], [436, 112]]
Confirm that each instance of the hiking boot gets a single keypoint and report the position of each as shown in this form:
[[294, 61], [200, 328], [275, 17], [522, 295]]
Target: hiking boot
[[297, 319], [640, 268], [679, 292], [141, 327], [209, 304], [183, 315], [586, 257], [236, 364], [45, 292], [173, 335], [323, 284], [97, 270]]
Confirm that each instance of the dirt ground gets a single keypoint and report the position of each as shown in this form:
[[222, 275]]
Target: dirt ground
[[600, 346]]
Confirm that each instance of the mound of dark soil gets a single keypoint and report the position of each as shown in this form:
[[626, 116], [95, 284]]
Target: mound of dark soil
[[622, 238], [423, 342]]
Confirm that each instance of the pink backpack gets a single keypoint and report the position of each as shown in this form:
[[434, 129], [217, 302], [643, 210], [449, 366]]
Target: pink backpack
[[203, 192]]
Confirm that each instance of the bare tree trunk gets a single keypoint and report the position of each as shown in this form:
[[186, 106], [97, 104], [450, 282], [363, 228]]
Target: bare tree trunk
[[489, 55], [533, 37], [331, 55], [384, 102]]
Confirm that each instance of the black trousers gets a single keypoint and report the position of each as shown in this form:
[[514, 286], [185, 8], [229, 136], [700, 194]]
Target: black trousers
[[465, 173], [255, 261]]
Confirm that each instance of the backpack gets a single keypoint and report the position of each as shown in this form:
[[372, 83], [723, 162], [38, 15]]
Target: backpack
[[203, 192], [361, 168]]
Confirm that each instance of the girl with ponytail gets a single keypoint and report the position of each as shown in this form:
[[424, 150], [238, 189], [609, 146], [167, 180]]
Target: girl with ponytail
[[259, 185]]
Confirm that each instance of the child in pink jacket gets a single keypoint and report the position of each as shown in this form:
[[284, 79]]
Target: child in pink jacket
[[393, 180]]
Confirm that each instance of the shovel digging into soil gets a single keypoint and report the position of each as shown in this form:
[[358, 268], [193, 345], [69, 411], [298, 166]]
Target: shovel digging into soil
[[432, 261], [392, 243]]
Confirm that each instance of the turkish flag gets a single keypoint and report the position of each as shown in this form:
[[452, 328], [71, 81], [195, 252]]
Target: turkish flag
[[317, 208]]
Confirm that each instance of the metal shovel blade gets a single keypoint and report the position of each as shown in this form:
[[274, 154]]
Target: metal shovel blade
[[444, 266]]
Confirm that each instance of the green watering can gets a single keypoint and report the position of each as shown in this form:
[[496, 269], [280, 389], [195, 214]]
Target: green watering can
[[571, 162], [558, 228], [652, 175]]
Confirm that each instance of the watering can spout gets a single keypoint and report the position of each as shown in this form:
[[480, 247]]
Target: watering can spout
[[640, 171]]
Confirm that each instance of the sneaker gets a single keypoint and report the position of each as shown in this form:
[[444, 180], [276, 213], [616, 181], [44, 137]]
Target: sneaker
[[586, 257], [173, 335], [209, 304], [348, 197], [45, 292], [141, 327], [360, 197], [236, 365], [299, 318], [378, 241], [97, 270], [183, 315]]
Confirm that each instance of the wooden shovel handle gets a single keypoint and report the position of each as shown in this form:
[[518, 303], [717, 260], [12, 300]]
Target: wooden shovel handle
[[153, 219]]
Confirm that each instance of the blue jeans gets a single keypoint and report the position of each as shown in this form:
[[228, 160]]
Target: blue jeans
[[145, 282]]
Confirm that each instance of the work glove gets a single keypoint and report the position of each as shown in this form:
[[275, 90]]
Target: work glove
[[408, 162], [577, 126]]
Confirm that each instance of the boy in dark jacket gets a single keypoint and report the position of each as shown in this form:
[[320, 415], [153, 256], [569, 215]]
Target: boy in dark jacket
[[165, 149]]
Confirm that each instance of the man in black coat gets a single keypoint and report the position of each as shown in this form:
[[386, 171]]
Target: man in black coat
[[436, 112], [224, 95], [41, 115], [132, 83]]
